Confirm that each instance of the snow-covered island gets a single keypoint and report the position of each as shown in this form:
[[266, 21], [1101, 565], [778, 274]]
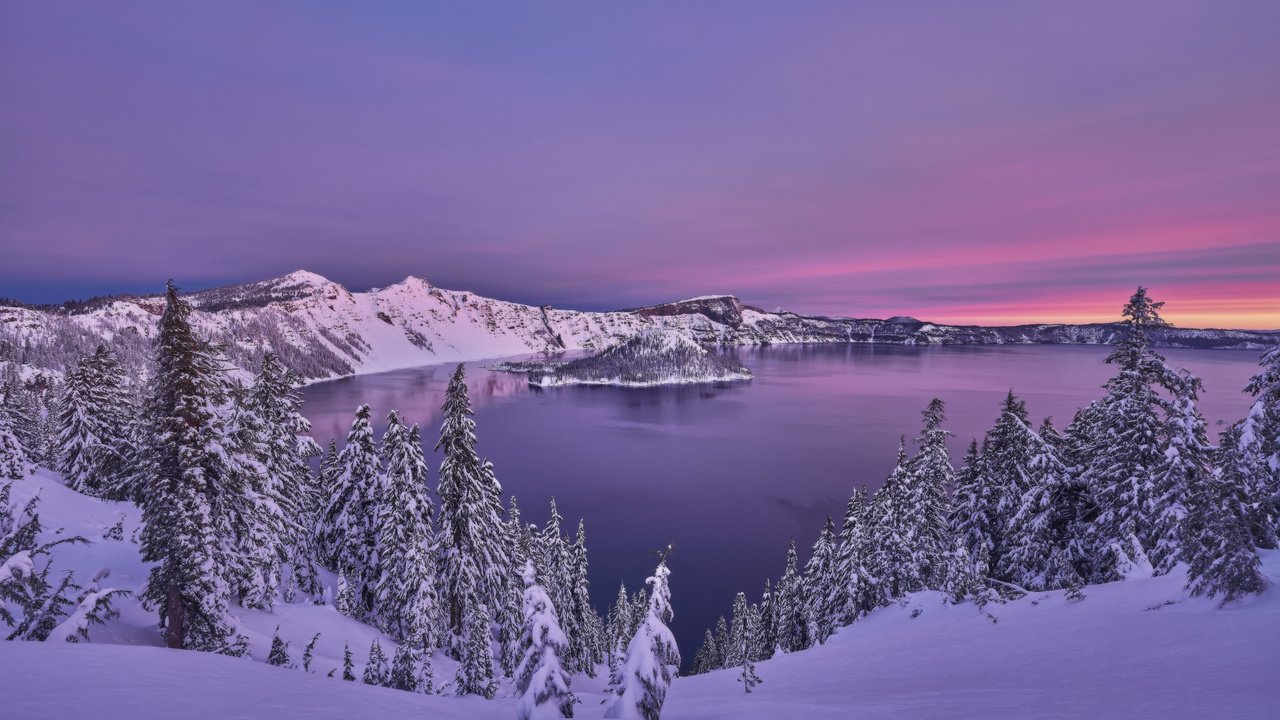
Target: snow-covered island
[[648, 358]]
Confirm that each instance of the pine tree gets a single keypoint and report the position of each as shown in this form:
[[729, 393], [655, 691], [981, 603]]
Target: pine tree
[[1216, 541], [974, 503], [13, 457], [511, 614], [581, 644], [705, 659], [820, 582], [186, 484], [475, 669], [348, 667], [405, 595], [541, 678], [1185, 464], [850, 593], [620, 623], [279, 655], [1128, 447], [308, 654], [1005, 458], [789, 605], [348, 532], [928, 494], [473, 564], [651, 656], [767, 636], [1265, 387], [426, 678], [375, 670], [1036, 529], [1248, 459], [404, 665], [93, 418], [894, 564], [722, 642]]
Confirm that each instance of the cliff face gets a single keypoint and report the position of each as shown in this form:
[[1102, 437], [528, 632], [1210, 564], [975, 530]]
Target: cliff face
[[324, 330]]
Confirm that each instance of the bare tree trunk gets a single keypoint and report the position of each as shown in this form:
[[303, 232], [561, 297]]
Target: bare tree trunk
[[174, 633]]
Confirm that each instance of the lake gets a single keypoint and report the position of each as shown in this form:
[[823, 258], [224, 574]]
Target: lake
[[727, 473]]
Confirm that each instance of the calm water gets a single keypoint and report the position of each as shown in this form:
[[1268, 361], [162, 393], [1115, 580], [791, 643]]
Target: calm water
[[729, 473]]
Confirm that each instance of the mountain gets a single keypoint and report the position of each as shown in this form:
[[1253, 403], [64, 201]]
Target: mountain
[[323, 330]]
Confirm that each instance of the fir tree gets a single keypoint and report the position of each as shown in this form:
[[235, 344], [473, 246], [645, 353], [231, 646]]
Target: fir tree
[[1216, 542], [1248, 460], [473, 560], [511, 615], [1127, 449], [348, 667], [850, 593], [894, 563], [541, 679], [767, 636], [1184, 465], [1265, 387], [651, 656], [1036, 529], [406, 604], [93, 417], [404, 666], [348, 530], [789, 605], [13, 456], [931, 477], [186, 481], [475, 669], [974, 504], [581, 644], [705, 659], [279, 655], [375, 670], [308, 654], [820, 582]]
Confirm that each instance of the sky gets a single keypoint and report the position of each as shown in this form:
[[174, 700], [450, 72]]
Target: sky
[[987, 162]]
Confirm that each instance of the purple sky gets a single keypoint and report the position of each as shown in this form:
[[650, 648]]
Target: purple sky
[[989, 162]]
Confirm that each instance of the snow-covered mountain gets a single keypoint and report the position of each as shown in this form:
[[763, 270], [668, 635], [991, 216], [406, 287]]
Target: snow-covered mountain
[[324, 330]]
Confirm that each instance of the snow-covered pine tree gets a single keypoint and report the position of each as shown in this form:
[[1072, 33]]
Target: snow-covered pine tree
[[279, 655], [705, 659], [405, 603], [93, 419], [722, 642], [347, 529], [851, 590], [789, 601], [404, 669], [1265, 387], [285, 450], [309, 653], [185, 480], [475, 667], [1185, 464], [767, 635], [1216, 541], [928, 494], [1005, 457], [1248, 460], [348, 665], [1036, 529], [541, 679], [893, 561], [13, 456], [973, 505], [473, 556], [619, 628], [511, 613], [820, 581], [582, 656], [739, 634], [651, 656], [1128, 445], [375, 670], [252, 522], [93, 607]]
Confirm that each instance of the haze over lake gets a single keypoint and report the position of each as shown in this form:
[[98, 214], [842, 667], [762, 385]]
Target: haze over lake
[[729, 472]]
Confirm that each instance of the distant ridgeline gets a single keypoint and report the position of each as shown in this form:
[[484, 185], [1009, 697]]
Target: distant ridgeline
[[320, 330]]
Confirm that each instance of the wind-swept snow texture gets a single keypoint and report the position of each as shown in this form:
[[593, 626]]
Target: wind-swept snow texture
[[322, 330]]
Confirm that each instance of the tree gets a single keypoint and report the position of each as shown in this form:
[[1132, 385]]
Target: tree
[[540, 678], [279, 655], [475, 670], [473, 559], [850, 589], [974, 510], [820, 581], [789, 602], [348, 533], [1185, 464], [651, 656], [13, 457], [348, 667], [1035, 532], [405, 595], [931, 477], [309, 652], [896, 566], [186, 483], [1006, 455], [93, 420], [1216, 541], [404, 666], [705, 659], [582, 642], [1265, 387], [1248, 460], [375, 670], [1128, 446]]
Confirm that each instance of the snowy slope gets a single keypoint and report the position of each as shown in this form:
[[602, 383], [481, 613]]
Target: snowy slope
[[1119, 653], [1133, 650], [324, 330]]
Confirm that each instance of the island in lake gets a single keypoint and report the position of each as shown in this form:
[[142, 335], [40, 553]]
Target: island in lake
[[648, 358]]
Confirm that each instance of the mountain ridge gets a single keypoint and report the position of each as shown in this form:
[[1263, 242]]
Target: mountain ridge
[[324, 330]]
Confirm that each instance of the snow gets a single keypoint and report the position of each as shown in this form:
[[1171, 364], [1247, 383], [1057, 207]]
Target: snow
[[1135, 649]]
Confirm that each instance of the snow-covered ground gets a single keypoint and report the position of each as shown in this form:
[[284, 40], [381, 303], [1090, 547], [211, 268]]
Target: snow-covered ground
[[1132, 650]]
